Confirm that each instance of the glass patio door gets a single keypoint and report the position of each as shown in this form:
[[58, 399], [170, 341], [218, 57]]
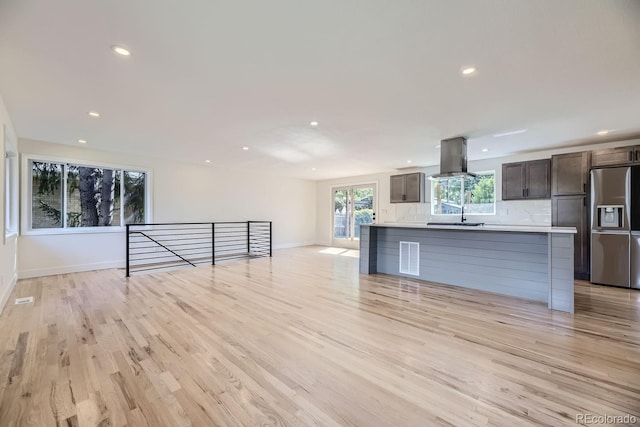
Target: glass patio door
[[352, 206]]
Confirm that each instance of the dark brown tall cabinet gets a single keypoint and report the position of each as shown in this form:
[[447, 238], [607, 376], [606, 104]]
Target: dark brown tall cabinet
[[569, 203]]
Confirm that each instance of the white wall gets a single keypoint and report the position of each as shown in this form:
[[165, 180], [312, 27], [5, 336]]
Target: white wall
[[181, 193], [515, 212], [7, 245]]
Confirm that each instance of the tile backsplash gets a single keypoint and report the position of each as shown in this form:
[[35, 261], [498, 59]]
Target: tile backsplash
[[521, 212]]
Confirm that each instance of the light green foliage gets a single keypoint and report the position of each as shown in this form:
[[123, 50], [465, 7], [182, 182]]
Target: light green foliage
[[483, 190]]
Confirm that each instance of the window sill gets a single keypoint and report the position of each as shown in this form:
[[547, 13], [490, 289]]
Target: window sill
[[79, 230]]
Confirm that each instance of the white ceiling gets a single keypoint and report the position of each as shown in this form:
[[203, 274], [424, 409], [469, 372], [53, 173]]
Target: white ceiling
[[382, 77]]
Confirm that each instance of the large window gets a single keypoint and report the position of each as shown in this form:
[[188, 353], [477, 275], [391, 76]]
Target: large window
[[448, 195], [65, 195]]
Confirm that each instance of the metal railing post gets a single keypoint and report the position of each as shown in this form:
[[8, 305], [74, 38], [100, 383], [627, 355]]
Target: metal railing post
[[213, 243], [127, 250], [248, 237], [270, 239]]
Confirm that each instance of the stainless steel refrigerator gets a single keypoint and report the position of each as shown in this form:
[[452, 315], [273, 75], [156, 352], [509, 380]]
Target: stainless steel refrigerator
[[611, 235]]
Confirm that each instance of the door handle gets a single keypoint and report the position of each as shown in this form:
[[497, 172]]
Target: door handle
[[523, 192]]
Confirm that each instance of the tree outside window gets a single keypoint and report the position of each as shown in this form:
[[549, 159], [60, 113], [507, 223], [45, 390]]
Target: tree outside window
[[67, 196]]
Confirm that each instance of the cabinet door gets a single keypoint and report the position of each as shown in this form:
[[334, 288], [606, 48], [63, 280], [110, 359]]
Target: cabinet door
[[538, 179], [570, 173], [413, 187], [513, 181], [397, 188], [612, 156], [571, 211]]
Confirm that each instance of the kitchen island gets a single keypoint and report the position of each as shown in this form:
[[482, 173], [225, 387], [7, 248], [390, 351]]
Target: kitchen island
[[529, 262]]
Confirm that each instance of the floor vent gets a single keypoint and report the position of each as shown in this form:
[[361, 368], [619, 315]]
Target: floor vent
[[25, 300], [410, 258]]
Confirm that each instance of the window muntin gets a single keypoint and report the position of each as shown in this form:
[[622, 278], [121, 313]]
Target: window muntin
[[66, 195], [476, 193]]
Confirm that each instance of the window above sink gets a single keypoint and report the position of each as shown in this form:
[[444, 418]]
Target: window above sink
[[477, 193]]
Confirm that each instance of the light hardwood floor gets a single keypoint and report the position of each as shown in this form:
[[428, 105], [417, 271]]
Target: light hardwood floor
[[302, 339]]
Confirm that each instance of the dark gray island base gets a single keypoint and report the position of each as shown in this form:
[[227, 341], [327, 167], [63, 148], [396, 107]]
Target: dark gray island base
[[535, 263]]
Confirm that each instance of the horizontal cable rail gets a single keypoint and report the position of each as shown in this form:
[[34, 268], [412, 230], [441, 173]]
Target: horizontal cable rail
[[157, 246]]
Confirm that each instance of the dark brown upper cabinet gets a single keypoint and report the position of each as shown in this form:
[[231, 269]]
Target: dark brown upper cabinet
[[570, 173], [618, 156], [407, 188], [526, 180]]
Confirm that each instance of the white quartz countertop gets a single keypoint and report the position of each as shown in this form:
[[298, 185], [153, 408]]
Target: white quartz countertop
[[487, 227]]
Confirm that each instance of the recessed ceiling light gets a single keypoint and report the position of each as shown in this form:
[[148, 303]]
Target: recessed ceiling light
[[82, 141], [437, 146], [314, 123], [514, 132], [94, 114], [484, 150], [207, 161], [121, 50], [468, 70], [408, 161], [603, 132], [313, 169], [245, 148]]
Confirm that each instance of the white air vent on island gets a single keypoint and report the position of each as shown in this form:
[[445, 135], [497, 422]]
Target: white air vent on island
[[410, 258]]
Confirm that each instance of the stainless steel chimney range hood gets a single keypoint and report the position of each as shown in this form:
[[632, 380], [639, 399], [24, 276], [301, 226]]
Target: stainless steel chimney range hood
[[453, 158]]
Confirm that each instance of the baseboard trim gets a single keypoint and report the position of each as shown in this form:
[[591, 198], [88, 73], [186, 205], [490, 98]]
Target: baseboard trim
[[292, 245], [7, 292], [65, 269]]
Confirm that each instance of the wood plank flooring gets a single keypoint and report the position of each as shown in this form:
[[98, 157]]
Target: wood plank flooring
[[302, 339]]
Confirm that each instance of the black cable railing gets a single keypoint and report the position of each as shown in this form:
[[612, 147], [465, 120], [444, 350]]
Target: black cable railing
[[170, 245]]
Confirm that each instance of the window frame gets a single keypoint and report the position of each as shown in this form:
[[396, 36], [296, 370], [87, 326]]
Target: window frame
[[487, 172], [27, 188], [10, 190]]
